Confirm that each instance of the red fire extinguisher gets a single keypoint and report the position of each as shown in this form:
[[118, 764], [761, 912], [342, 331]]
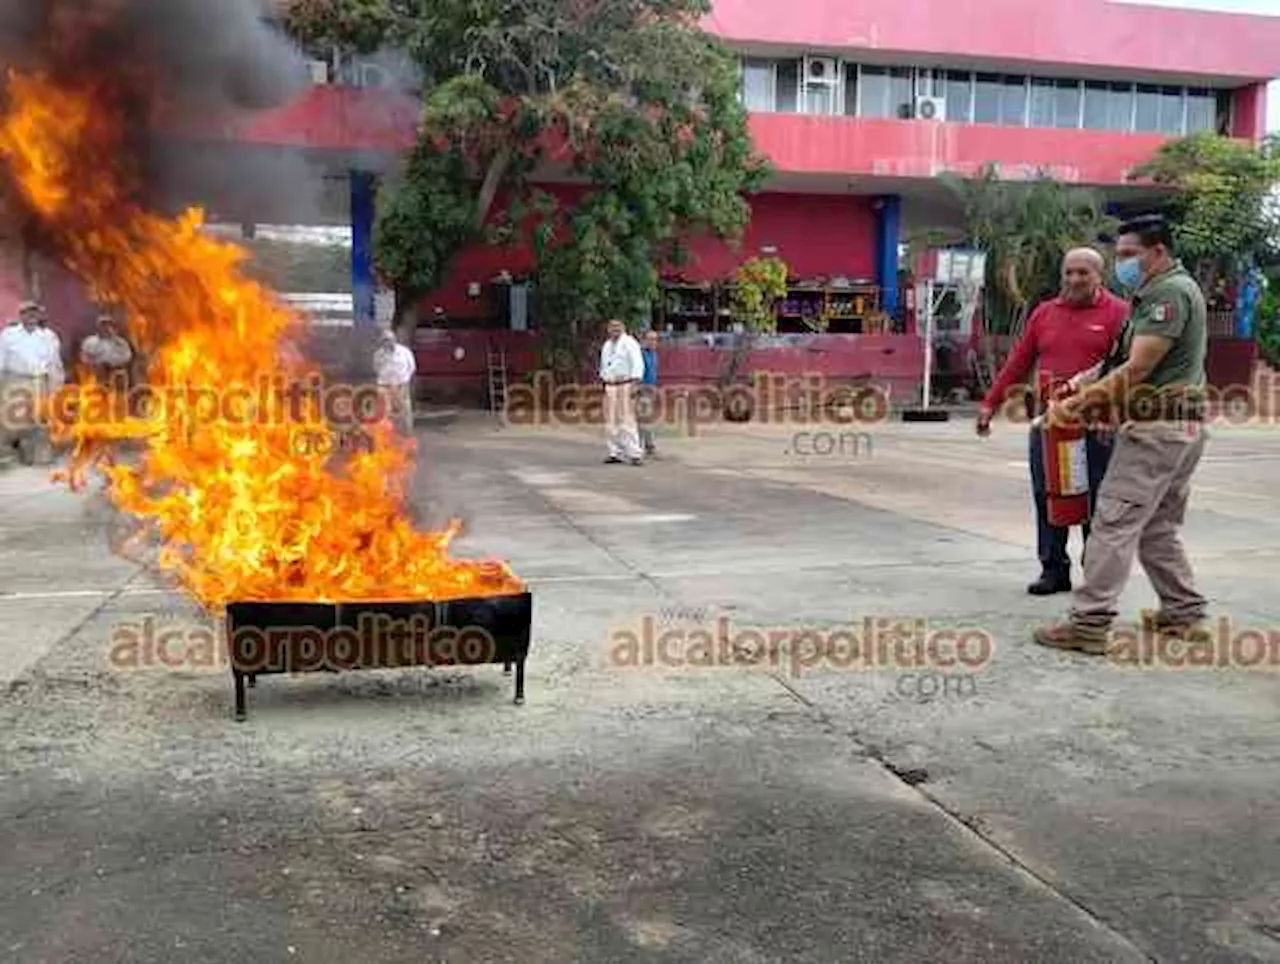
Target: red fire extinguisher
[[1066, 472]]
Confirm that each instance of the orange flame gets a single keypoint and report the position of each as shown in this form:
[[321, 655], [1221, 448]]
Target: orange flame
[[241, 509]]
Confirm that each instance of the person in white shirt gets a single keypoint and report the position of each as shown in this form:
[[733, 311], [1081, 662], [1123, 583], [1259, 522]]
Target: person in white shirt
[[30, 366], [621, 368], [57, 373], [106, 353], [394, 367]]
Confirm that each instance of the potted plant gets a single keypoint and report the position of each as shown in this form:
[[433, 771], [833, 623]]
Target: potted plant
[[758, 286]]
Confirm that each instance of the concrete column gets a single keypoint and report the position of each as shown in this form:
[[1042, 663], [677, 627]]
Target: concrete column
[[363, 193], [888, 230]]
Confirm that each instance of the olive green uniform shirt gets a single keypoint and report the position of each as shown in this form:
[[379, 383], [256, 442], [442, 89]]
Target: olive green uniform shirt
[[1172, 306]]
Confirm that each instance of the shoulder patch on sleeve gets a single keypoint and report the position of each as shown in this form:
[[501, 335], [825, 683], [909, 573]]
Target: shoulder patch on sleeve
[[1160, 313]]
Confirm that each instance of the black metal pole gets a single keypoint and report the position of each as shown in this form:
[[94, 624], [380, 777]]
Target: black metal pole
[[240, 712], [520, 682]]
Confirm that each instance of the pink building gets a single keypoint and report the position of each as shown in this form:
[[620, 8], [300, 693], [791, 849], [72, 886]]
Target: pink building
[[859, 106]]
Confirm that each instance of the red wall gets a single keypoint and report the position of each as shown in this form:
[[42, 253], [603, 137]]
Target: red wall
[[323, 117], [894, 360], [1249, 108], [1097, 33], [817, 235]]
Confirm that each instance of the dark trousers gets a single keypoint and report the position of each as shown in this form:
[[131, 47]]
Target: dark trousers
[[1051, 541], [646, 412]]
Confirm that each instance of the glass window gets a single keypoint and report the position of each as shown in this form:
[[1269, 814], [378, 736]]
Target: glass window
[[1097, 116], [1066, 103], [850, 89], [1147, 117], [986, 99], [788, 83], [1201, 111], [1013, 101], [1171, 110], [757, 84], [875, 92], [1041, 102], [902, 92], [1108, 107], [1120, 107], [930, 83], [958, 91]]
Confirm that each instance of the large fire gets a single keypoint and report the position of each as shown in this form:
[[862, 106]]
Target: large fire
[[244, 504]]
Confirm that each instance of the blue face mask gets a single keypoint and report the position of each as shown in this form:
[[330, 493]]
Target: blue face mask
[[1129, 272]]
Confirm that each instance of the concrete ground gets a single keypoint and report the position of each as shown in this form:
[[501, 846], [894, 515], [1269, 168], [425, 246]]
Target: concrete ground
[[1042, 808]]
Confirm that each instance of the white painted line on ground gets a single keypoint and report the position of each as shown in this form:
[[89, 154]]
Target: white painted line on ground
[[638, 518], [84, 593], [56, 594], [603, 577], [541, 478]]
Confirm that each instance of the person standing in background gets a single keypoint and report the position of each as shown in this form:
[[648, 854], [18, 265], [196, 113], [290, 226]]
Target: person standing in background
[[394, 367], [647, 403], [57, 370], [30, 368], [107, 354], [621, 368]]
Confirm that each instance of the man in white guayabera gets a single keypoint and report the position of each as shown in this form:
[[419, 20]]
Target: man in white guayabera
[[394, 367], [30, 367], [621, 368]]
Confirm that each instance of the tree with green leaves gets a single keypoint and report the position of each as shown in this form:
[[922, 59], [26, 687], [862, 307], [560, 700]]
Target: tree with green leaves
[[629, 97], [1225, 216]]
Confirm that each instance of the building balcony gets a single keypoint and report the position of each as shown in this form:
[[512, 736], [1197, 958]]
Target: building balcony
[[859, 148]]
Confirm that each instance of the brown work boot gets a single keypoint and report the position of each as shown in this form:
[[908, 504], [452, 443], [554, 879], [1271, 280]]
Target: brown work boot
[[1070, 637], [1193, 630]]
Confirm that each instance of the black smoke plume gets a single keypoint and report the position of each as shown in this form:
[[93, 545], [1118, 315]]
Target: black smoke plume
[[166, 76]]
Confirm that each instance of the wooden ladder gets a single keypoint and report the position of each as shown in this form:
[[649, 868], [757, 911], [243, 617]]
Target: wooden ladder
[[497, 369]]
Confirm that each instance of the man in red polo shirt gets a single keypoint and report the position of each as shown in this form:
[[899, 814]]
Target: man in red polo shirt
[[1063, 336]]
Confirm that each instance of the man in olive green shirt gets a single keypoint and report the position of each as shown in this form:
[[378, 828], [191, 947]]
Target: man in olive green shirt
[[1154, 385]]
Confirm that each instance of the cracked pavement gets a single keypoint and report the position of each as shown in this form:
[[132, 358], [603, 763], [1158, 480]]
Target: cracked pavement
[[1045, 807]]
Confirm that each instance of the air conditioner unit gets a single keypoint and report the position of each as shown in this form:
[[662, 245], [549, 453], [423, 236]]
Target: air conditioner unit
[[319, 71], [931, 108], [821, 71]]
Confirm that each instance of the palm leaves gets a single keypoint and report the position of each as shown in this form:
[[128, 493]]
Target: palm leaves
[[1025, 228]]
